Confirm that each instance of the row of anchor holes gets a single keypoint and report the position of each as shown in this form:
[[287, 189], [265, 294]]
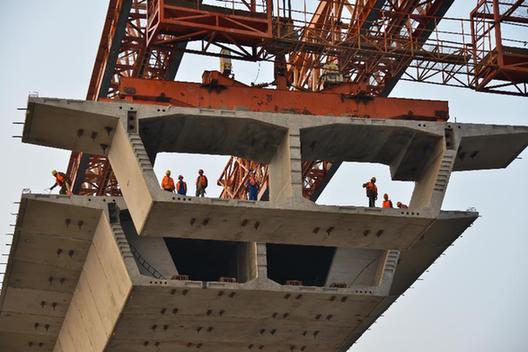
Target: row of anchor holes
[[104, 200], [363, 292], [327, 317], [378, 233], [61, 280], [36, 344], [279, 316], [44, 326], [307, 333], [212, 312], [180, 198], [52, 304], [158, 282], [71, 252], [342, 299], [166, 310], [183, 292], [230, 295], [409, 213], [69, 221], [271, 331], [260, 347]]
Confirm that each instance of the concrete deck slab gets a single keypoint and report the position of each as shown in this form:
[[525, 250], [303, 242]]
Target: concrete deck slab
[[108, 305]]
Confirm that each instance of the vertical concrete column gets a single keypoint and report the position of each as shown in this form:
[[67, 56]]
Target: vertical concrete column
[[262, 260], [285, 170], [430, 190], [386, 270]]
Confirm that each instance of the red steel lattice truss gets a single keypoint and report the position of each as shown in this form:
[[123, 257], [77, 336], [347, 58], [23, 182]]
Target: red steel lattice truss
[[374, 44]]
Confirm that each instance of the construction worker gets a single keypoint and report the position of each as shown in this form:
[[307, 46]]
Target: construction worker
[[181, 186], [387, 203], [252, 185], [201, 184], [372, 191], [167, 183], [62, 180], [401, 205]]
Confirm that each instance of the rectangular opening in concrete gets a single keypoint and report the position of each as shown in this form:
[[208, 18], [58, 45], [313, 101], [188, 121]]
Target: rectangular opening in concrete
[[346, 186], [187, 165], [217, 173], [299, 265], [208, 260]]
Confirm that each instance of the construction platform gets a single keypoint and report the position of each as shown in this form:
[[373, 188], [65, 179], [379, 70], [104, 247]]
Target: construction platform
[[155, 271]]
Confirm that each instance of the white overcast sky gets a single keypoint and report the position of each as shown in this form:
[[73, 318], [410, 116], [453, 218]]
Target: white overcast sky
[[474, 298]]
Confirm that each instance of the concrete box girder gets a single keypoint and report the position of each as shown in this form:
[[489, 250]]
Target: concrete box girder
[[109, 304]]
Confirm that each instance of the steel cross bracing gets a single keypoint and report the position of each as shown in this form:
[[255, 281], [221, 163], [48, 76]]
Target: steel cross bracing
[[373, 43]]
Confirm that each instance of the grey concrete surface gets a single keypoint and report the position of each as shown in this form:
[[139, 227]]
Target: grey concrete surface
[[424, 152], [97, 297], [118, 292]]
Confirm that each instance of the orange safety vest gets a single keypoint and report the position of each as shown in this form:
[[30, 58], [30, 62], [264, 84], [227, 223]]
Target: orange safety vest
[[387, 204], [60, 178], [201, 181], [167, 183], [181, 185], [372, 189]]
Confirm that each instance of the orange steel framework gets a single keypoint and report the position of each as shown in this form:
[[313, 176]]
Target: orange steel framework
[[373, 43]]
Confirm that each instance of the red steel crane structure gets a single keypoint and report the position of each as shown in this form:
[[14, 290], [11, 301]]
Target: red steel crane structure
[[354, 51]]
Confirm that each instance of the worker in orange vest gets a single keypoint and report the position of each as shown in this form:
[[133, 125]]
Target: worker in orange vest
[[252, 186], [62, 180], [201, 184], [181, 186], [372, 191], [401, 205], [387, 203], [167, 183]]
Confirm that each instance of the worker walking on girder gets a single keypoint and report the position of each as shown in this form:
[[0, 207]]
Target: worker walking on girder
[[252, 185], [372, 191], [62, 180], [168, 183], [401, 205], [387, 203], [201, 184], [181, 186]]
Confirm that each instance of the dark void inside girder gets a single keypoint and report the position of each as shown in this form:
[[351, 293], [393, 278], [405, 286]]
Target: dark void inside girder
[[207, 260], [294, 264]]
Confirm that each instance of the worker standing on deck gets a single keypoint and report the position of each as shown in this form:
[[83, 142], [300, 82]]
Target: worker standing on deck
[[387, 203], [252, 185], [201, 184], [372, 191], [62, 180], [167, 183], [181, 186]]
